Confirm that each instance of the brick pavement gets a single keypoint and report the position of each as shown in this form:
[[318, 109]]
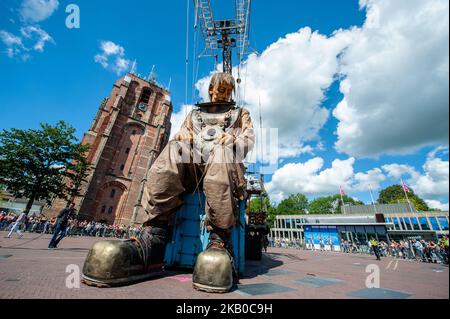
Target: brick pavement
[[29, 270]]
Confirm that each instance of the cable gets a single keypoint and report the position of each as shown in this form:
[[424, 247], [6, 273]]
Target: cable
[[187, 50], [196, 61], [29, 241]]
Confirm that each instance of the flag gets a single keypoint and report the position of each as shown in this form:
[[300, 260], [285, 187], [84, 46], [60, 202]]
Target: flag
[[406, 188], [341, 191]]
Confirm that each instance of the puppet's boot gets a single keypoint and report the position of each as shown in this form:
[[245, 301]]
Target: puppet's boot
[[115, 263], [214, 269]]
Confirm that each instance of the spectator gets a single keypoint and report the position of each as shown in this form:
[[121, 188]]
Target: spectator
[[375, 246], [18, 223], [61, 225]]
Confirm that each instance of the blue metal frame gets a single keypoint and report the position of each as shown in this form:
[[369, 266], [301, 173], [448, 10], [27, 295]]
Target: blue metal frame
[[190, 237]]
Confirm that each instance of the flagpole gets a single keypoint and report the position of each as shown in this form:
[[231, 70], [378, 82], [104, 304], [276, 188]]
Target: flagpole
[[373, 202], [406, 195]]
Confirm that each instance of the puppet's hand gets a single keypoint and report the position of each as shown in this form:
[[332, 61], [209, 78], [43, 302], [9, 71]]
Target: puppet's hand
[[184, 137], [226, 139]]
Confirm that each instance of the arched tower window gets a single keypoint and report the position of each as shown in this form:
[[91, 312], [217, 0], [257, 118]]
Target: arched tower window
[[145, 95], [144, 99]]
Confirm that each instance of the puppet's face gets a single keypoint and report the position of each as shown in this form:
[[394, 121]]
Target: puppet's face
[[221, 92]]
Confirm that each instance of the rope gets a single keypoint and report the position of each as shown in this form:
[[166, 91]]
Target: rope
[[196, 61], [144, 250], [24, 243], [187, 50], [198, 184], [29, 241]]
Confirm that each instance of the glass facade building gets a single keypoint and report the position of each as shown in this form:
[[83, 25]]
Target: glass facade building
[[360, 227]]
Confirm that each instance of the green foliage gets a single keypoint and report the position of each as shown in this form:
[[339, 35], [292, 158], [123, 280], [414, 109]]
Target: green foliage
[[271, 214], [298, 205], [2, 194], [293, 205], [391, 194], [255, 204], [331, 204], [321, 205], [77, 172], [35, 163], [395, 194]]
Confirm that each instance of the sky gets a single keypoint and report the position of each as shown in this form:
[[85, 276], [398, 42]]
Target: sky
[[357, 91]]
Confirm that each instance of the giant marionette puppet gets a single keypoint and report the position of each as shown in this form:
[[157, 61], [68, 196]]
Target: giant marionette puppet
[[207, 153]]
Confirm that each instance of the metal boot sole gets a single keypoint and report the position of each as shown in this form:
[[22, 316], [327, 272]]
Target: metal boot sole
[[119, 282], [211, 289], [118, 263]]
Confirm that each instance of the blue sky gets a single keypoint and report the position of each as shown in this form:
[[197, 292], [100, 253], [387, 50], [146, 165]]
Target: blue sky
[[62, 80]]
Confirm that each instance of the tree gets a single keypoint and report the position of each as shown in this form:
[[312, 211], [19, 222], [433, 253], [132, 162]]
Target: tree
[[2, 194], [391, 194], [255, 204], [271, 215], [395, 194], [267, 206], [331, 204], [34, 163], [293, 205], [321, 205], [77, 173], [348, 201]]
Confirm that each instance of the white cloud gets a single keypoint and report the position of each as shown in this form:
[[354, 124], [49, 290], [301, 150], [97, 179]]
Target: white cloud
[[121, 65], [112, 57], [38, 10], [110, 48], [178, 118], [311, 179], [101, 59], [39, 36], [438, 205], [290, 78], [396, 171], [396, 94], [10, 39], [31, 38], [294, 150], [369, 180], [432, 184]]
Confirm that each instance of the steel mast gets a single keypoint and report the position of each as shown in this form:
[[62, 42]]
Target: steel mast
[[224, 34]]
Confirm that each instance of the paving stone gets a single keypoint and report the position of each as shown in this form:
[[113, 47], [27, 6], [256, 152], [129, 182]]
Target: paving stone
[[379, 293], [262, 289], [279, 272], [317, 282], [32, 271], [2, 257]]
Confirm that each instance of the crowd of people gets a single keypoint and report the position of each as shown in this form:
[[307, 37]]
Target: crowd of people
[[419, 250], [285, 243], [42, 224]]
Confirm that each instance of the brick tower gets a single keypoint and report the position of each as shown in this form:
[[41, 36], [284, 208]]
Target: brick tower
[[131, 128]]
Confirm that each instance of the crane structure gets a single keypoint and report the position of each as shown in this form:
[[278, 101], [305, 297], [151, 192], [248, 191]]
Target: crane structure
[[224, 34]]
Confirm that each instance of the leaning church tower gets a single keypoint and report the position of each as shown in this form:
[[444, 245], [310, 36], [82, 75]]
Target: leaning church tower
[[130, 129]]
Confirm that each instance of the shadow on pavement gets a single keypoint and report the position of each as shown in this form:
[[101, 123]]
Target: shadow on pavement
[[257, 268]]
